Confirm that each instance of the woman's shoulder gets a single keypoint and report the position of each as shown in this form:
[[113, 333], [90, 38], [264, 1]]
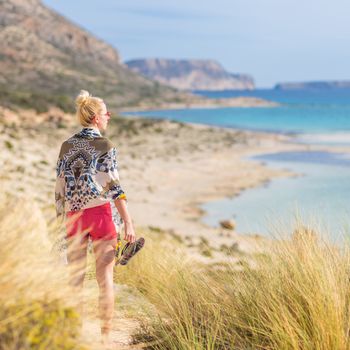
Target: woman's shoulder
[[104, 144], [65, 146]]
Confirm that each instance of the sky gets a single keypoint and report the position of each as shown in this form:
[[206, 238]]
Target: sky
[[272, 40]]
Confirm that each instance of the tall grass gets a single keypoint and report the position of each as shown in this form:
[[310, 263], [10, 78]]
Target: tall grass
[[36, 308], [296, 297]]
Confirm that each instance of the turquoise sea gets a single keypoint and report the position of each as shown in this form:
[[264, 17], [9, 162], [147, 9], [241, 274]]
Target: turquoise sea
[[321, 196]]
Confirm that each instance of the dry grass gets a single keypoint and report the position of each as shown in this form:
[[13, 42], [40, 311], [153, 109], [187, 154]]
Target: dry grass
[[297, 297], [36, 311]]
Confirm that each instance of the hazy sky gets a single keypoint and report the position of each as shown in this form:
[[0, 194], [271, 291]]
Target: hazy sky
[[273, 40]]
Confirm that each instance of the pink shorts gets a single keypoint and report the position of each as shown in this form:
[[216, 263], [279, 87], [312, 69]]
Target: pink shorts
[[96, 222]]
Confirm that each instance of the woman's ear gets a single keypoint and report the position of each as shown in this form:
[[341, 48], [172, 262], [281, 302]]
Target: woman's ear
[[95, 120]]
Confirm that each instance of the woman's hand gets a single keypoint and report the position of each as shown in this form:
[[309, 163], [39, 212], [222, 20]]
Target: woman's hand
[[129, 232]]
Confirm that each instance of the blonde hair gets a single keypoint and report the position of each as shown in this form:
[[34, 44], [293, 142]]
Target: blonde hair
[[87, 107]]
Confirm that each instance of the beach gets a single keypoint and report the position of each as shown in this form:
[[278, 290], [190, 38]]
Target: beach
[[195, 101], [167, 169]]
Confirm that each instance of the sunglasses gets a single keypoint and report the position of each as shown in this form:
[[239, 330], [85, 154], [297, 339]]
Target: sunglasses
[[108, 114]]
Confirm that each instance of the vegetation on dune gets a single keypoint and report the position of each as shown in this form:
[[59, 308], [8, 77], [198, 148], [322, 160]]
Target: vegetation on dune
[[35, 307], [296, 297], [39, 101], [42, 100], [39, 324]]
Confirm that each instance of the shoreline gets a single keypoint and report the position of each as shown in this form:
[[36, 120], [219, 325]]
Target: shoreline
[[274, 143], [189, 218], [238, 102], [167, 168]]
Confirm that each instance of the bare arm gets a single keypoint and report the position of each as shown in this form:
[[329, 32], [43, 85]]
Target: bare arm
[[110, 171], [129, 232], [123, 210]]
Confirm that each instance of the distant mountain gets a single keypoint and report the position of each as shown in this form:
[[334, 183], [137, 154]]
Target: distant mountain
[[45, 60], [191, 74], [314, 85]]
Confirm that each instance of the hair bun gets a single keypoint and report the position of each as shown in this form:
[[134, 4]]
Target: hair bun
[[82, 98]]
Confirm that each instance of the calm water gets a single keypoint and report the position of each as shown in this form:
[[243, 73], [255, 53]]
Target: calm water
[[320, 196], [317, 117], [322, 193]]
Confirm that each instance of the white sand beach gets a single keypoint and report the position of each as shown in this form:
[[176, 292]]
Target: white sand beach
[[167, 170]]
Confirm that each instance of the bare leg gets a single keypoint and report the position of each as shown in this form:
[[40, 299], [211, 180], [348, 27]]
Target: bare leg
[[76, 256], [104, 255]]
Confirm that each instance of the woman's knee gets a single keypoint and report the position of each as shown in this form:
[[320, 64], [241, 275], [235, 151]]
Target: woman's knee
[[105, 280], [106, 258]]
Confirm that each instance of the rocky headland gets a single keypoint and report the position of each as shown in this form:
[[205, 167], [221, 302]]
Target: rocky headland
[[187, 74], [314, 85]]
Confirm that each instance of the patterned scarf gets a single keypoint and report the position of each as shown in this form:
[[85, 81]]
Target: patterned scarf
[[89, 133]]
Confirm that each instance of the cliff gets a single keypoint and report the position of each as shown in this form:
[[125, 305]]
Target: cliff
[[191, 74], [46, 60]]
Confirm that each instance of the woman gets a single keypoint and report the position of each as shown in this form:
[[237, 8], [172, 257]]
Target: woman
[[87, 191]]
